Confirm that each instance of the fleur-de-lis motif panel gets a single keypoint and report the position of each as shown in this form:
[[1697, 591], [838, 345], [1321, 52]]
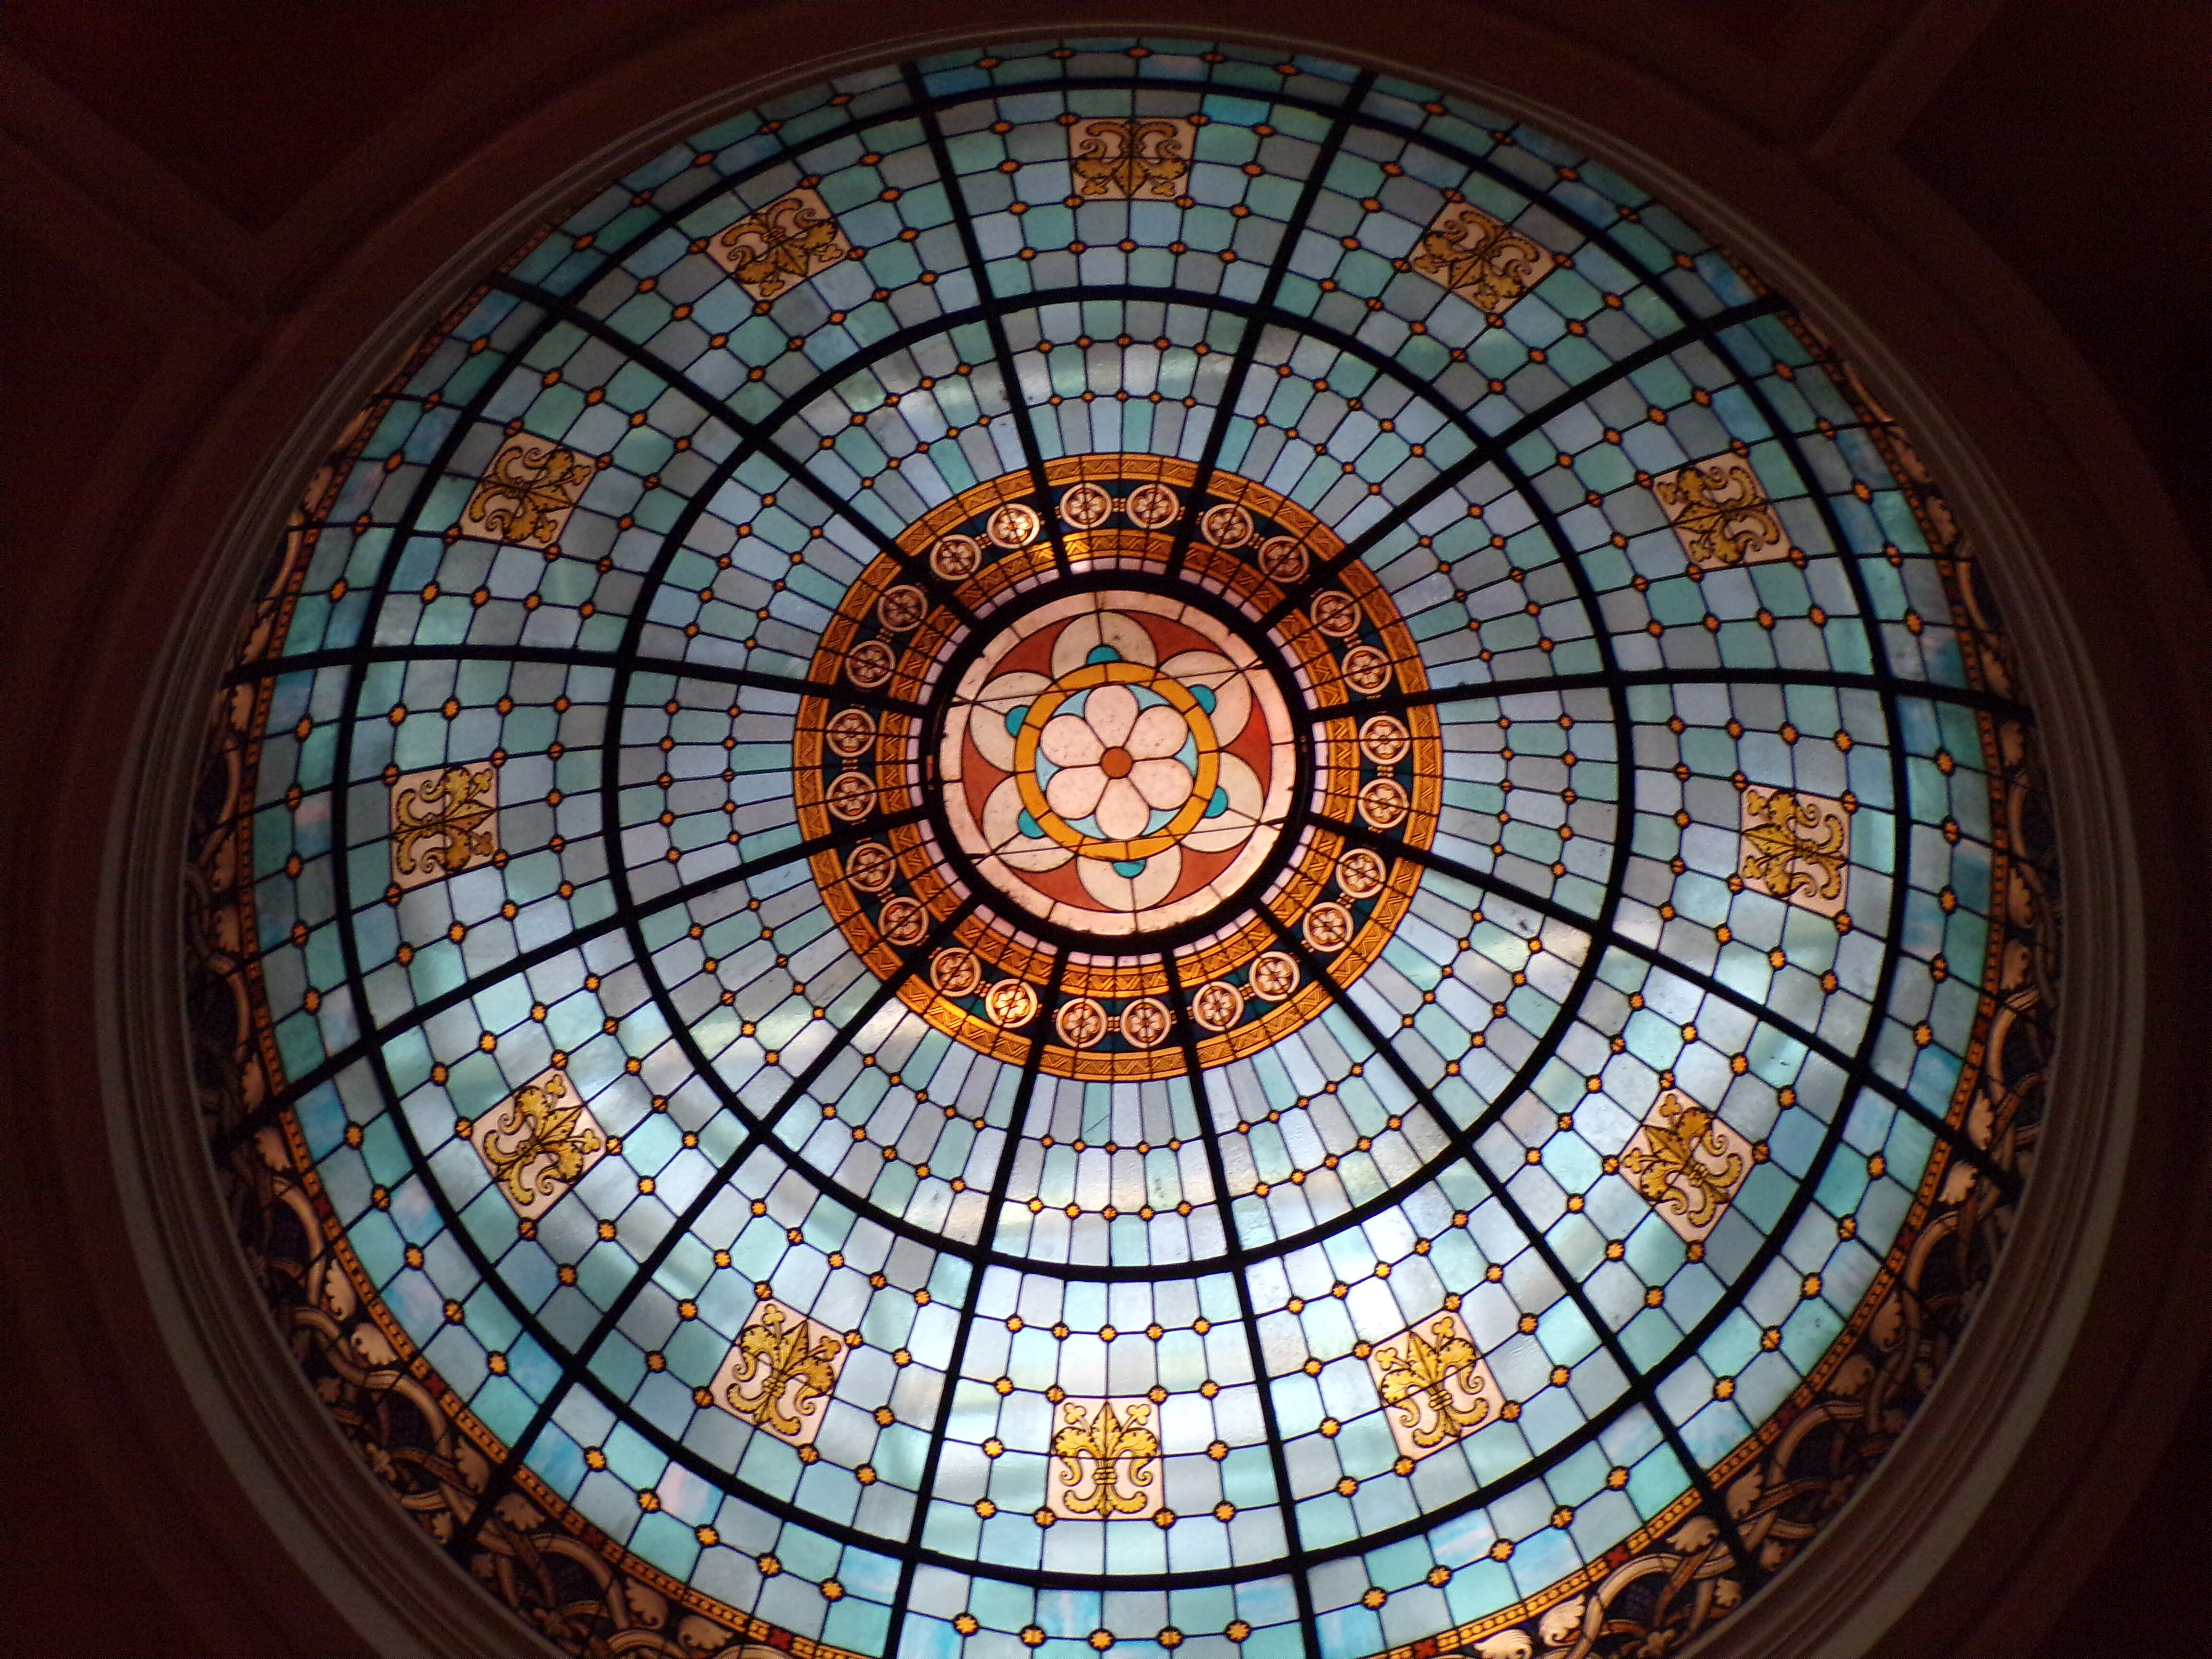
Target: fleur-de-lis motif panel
[[528, 492], [444, 821], [1105, 1461], [780, 1373], [1721, 512], [1140, 158], [782, 244], [1435, 1383], [1688, 1163], [1483, 260], [538, 1142], [1797, 848]]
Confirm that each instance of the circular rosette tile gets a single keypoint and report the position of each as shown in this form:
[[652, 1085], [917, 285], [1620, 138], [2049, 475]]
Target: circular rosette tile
[[1106, 767], [1117, 762]]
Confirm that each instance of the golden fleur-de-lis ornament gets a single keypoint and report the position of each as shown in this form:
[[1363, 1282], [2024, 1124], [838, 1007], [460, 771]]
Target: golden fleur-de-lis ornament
[[538, 1142], [1120, 160], [1436, 1383], [1106, 1460], [444, 821], [779, 1375], [1688, 1164]]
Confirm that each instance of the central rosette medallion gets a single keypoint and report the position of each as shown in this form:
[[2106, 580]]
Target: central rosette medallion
[[1117, 762]]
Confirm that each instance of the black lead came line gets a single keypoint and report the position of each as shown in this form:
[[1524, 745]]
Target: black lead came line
[[1390, 702], [1860, 1068], [1233, 1258], [1263, 305], [1002, 352], [925, 103], [978, 1269], [754, 437], [1611, 938], [1640, 1383], [1641, 1388], [1292, 230], [426, 653], [1297, 1562], [420, 1013], [992, 308], [927, 107], [1493, 450], [2008, 1181], [1616, 887], [894, 1222], [1249, 1317], [847, 126], [712, 673], [1258, 315], [1461, 1142], [576, 1372], [341, 820], [899, 1225], [576, 1364]]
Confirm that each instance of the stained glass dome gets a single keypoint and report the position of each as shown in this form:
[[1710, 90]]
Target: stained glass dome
[[1129, 845]]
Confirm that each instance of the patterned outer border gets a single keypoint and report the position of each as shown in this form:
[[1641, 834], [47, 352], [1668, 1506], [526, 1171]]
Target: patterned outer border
[[1653, 1593]]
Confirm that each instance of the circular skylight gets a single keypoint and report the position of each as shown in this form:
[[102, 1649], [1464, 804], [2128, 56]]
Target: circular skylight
[[1122, 845]]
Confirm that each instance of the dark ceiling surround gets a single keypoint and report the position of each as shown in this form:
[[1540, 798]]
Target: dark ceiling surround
[[215, 204]]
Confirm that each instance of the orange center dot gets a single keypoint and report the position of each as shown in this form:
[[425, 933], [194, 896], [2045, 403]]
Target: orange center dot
[[1116, 762]]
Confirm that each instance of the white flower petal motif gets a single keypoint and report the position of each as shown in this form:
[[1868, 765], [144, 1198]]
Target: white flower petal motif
[[1069, 740], [1122, 814], [1074, 790], [1166, 784], [1083, 636], [987, 720], [1159, 732], [1114, 763], [1232, 695], [1112, 711]]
